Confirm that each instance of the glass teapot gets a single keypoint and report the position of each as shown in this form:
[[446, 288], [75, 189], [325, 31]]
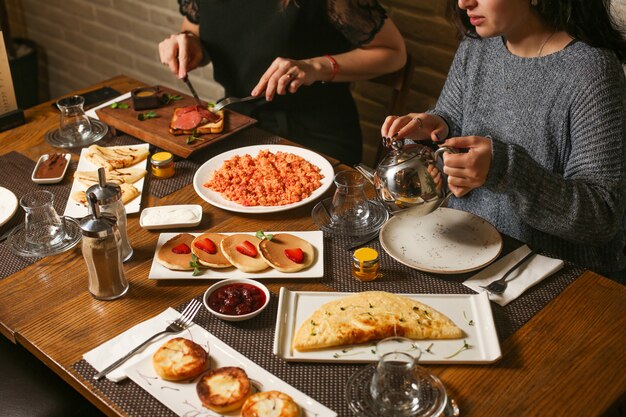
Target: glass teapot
[[407, 177]]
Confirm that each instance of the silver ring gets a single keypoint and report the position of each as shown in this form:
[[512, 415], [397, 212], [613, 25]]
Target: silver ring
[[417, 119], [288, 75]]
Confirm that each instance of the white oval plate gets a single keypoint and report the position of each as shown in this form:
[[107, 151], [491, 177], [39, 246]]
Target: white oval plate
[[8, 205], [54, 180], [215, 199], [445, 241]]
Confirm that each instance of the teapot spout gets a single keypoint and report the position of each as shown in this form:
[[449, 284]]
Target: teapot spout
[[366, 171]]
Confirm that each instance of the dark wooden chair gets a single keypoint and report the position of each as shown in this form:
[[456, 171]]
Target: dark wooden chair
[[400, 83]]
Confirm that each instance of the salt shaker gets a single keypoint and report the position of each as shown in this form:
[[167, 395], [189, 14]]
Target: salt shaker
[[102, 253], [109, 199]]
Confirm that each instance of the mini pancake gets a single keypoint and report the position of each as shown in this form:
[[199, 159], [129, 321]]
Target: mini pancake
[[176, 261], [224, 389], [273, 251], [239, 260], [179, 359], [215, 260], [270, 404]]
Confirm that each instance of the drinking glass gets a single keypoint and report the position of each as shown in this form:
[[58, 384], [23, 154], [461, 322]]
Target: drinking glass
[[350, 206], [75, 126], [395, 386], [42, 226]]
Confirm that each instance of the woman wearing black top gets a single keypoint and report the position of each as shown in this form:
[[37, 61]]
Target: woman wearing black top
[[274, 47]]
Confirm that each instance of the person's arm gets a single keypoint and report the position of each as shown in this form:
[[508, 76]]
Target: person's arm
[[183, 52], [385, 53]]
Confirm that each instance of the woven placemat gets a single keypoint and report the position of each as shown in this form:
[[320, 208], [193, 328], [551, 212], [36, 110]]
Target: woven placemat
[[325, 382], [15, 174]]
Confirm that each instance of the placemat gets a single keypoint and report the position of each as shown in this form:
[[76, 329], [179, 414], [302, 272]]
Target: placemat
[[325, 382], [15, 174]]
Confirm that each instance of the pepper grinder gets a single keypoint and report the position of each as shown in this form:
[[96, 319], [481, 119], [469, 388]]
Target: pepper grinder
[[102, 252], [109, 199]]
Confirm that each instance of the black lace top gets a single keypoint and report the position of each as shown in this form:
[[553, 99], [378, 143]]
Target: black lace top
[[243, 37]]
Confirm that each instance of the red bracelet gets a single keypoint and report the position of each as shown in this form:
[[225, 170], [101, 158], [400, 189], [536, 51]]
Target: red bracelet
[[335, 66]]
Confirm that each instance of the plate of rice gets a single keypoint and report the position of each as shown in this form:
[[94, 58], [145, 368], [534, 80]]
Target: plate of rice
[[263, 178]]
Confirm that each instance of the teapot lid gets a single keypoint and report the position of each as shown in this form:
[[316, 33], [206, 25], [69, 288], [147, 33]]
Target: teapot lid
[[403, 153]]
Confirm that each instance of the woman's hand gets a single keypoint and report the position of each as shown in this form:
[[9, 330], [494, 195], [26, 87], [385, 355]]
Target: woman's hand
[[287, 75], [416, 126], [181, 52], [469, 170]]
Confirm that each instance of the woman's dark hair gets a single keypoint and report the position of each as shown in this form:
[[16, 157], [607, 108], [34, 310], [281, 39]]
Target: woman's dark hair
[[585, 20]]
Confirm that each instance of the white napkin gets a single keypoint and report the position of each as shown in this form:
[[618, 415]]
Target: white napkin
[[531, 272], [92, 112], [120, 345]]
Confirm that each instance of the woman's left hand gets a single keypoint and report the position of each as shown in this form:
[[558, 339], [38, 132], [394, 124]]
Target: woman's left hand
[[469, 170], [285, 75]]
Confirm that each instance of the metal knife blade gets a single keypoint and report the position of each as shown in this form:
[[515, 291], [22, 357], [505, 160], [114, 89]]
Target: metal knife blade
[[193, 91]]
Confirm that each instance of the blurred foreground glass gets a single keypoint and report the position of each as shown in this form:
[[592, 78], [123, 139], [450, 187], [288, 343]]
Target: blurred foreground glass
[[350, 206], [42, 225], [396, 384], [75, 125]]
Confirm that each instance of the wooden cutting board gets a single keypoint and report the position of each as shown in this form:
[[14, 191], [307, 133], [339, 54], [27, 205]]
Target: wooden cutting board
[[155, 131]]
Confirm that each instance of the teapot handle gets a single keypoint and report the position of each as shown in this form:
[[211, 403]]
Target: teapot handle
[[442, 150]]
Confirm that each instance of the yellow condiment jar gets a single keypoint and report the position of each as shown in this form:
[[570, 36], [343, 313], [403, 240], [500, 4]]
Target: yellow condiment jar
[[162, 165], [365, 264]]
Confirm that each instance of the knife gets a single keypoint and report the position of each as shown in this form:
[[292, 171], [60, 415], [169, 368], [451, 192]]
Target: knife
[[193, 91]]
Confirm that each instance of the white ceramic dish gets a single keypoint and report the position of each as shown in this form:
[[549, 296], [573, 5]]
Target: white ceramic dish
[[214, 198], [78, 211], [316, 270], [445, 241], [181, 397], [294, 307], [228, 317], [8, 205], [162, 217], [54, 180]]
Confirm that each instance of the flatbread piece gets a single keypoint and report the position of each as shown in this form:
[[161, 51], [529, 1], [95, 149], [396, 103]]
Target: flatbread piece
[[116, 156], [372, 315]]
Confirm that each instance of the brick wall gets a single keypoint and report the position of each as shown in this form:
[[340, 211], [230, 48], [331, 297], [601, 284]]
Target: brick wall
[[83, 42]]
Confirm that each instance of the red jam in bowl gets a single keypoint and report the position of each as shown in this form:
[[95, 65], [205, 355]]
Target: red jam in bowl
[[236, 299]]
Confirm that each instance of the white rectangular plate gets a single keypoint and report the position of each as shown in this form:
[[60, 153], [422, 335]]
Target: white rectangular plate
[[181, 397], [77, 210], [195, 209], [294, 307], [316, 270]]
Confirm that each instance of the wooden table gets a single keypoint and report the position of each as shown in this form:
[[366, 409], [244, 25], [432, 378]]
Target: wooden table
[[568, 360]]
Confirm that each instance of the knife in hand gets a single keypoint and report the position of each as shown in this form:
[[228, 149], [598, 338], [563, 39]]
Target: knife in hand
[[193, 91]]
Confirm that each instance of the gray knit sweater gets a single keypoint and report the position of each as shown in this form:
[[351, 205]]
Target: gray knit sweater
[[558, 176]]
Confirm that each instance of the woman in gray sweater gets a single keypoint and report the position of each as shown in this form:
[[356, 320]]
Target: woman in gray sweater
[[536, 95]]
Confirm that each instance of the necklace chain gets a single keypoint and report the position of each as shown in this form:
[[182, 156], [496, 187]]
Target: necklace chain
[[545, 42]]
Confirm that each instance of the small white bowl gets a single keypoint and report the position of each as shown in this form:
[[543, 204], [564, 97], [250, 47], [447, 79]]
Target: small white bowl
[[228, 317], [162, 217], [54, 180]]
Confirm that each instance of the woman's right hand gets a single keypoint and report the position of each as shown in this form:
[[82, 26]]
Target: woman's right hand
[[181, 52], [416, 126]]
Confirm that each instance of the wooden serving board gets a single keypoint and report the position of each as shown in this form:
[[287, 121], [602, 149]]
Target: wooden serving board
[[155, 131]]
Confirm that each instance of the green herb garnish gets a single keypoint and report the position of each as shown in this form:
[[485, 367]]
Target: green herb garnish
[[146, 116], [193, 138], [119, 105], [464, 347], [168, 98], [470, 322], [261, 235], [194, 263]]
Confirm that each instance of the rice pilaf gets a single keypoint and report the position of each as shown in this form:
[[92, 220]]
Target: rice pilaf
[[266, 180]]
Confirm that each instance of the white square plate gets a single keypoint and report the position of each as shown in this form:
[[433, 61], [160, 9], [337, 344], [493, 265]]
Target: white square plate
[[316, 270], [181, 397], [294, 307], [77, 210]]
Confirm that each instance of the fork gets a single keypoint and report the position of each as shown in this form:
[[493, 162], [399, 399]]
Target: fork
[[181, 323], [231, 100], [498, 286]]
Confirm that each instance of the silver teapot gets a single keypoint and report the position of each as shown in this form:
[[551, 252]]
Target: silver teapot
[[406, 177]]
